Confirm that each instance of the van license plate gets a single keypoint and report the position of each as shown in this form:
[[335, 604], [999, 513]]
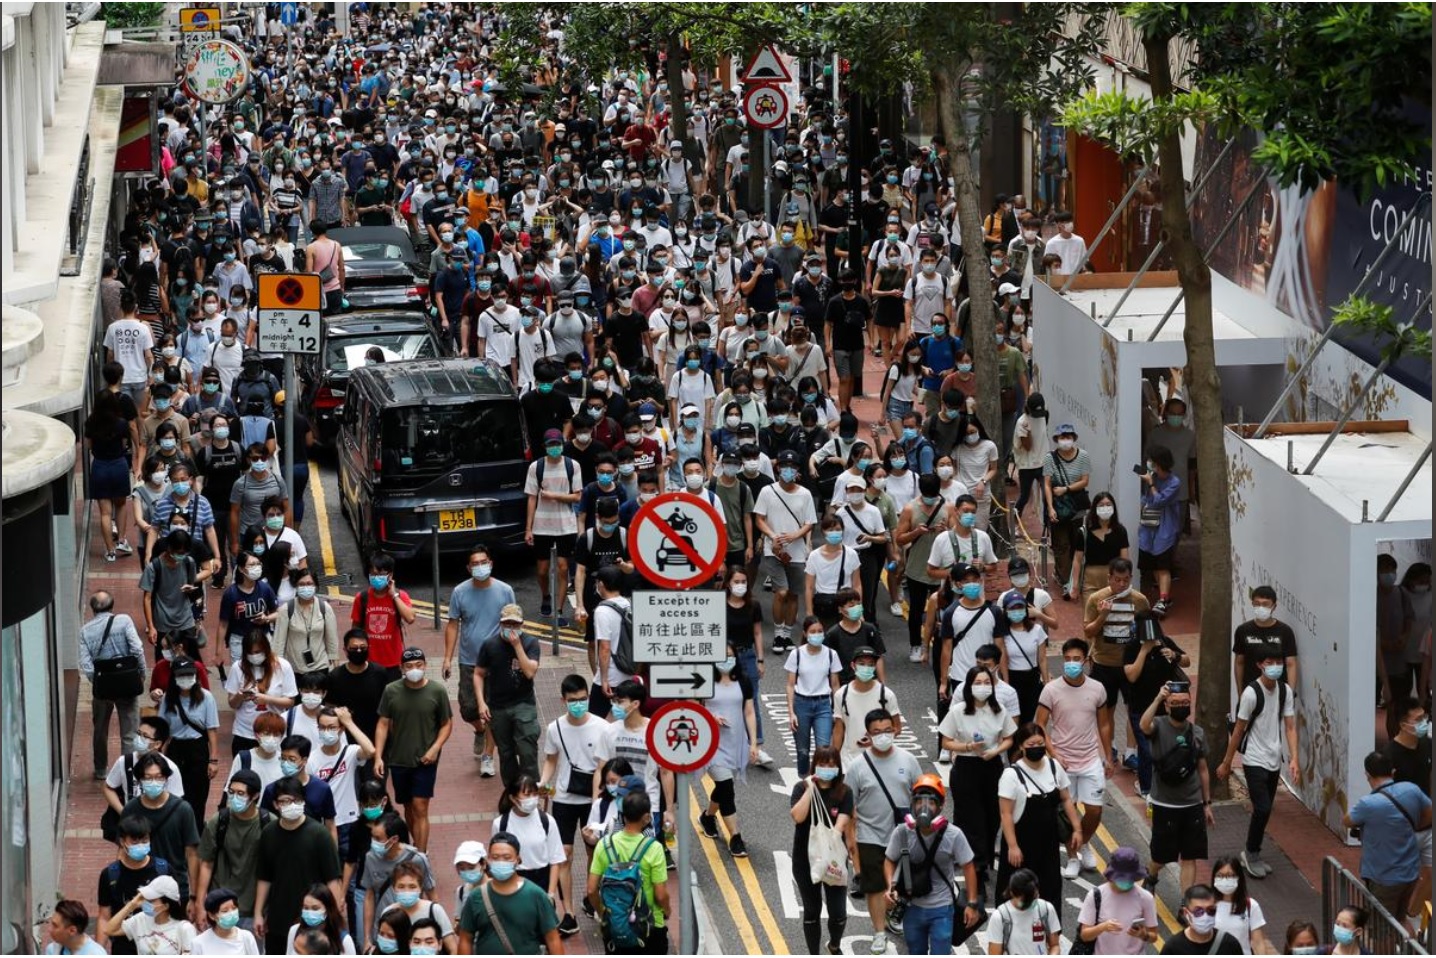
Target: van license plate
[[457, 520]]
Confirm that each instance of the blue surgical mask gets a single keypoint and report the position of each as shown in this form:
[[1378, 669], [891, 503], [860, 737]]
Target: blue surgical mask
[[815, 638], [378, 582], [1122, 884], [238, 803], [1343, 936], [386, 945], [138, 853], [618, 712], [258, 466], [833, 538], [865, 673], [605, 478], [228, 920], [608, 527], [502, 871], [854, 612], [152, 790], [287, 768], [1073, 670], [167, 444], [789, 474], [162, 404], [406, 899], [899, 463], [1016, 615], [1273, 672], [471, 876], [968, 519], [148, 907], [312, 917], [972, 590], [826, 773], [612, 788], [726, 665], [863, 464], [181, 488], [909, 434]]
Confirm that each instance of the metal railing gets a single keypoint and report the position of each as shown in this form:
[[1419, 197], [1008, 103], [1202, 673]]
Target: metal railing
[[1384, 934]]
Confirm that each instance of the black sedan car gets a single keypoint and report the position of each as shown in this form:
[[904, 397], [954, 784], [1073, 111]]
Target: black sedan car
[[382, 271], [345, 342]]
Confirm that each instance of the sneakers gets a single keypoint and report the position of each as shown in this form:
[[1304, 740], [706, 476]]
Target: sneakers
[[110, 556], [587, 908], [737, 848], [896, 609], [764, 759], [834, 948], [545, 608], [879, 945], [124, 548], [1162, 607], [486, 766], [914, 654], [1073, 868], [944, 757], [668, 857], [782, 639], [1150, 883], [1254, 865], [1129, 761], [568, 927], [894, 917], [217, 582], [1088, 858], [708, 824]]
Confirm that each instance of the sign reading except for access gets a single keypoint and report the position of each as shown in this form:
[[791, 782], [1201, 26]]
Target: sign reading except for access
[[686, 627], [290, 306], [678, 541], [199, 20], [767, 67], [681, 681], [766, 107], [682, 736]]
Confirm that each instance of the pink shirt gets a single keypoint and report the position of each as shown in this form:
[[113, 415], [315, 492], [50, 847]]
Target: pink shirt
[[1124, 907], [1072, 728]]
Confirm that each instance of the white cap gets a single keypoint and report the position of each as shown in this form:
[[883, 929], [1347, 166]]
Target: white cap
[[162, 887], [470, 851], [1007, 289], [690, 408]]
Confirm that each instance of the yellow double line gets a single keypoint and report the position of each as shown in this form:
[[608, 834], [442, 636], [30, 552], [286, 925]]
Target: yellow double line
[[757, 899], [1164, 914]]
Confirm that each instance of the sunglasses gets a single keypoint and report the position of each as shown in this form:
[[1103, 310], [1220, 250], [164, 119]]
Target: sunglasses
[[1200, 911]]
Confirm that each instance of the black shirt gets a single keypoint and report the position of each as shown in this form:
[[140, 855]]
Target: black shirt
[[1223, 944], [740, 624], [504, 681], [544, 411], [1410, 765], [172, 830], [291, 861], [848, 318], [841, 806], [625, 331], [221, 469], [1156, 672], [127, 885], [845, 643], [301, 436], [1251, 639], [1098, 552], [359, 693]]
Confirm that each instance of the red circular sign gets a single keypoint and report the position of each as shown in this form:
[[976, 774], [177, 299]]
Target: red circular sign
[[289, 291], [678, 540], [682, 736]]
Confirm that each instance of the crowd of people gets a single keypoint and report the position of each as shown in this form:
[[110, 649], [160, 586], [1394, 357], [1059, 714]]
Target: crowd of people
[[667, 331]]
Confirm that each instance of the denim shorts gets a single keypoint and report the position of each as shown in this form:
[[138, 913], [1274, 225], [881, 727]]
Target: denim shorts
[[898, 408]]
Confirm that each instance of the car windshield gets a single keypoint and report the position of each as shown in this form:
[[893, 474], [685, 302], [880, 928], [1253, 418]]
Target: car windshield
[[396, 346], [424, 440], [363, 251]]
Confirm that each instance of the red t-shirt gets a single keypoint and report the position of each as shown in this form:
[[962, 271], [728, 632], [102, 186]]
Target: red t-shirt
[[646, 134], [386, 630]]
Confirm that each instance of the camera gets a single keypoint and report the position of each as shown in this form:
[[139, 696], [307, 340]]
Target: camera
[[1140, 469]]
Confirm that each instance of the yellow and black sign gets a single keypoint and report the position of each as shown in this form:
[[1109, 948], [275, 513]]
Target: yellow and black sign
[[199, 20]]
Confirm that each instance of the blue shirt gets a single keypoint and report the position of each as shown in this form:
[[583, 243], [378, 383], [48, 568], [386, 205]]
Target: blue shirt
[[1390, 853], [1164, 495], [940, 355], [477, 612], [318, 800]]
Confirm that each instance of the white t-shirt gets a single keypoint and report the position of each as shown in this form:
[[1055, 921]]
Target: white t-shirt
[[620, 741], [551, 517], [243, 943], [983, 725], [786, 512], [951, 491], [128, 339], [977, 546], [852, 706], [538, 836], [973, 463], [1070, 248], [866, 519], [267, 769], [297, 551], [1023, 932], [1268, 734], [1241, 926], [345, 948], [813, 669], [1035, 429], [576, 747], [1005, 694], [826, 571], [964, 653], [531, 348], [115, 778], [497, 330], [1048, 776], [695, 388], [338, 771], [1026, 647], [171, 938], [281, 684], [608, 627]]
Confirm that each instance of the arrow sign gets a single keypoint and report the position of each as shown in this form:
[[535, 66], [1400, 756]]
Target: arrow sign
[[681, 681]]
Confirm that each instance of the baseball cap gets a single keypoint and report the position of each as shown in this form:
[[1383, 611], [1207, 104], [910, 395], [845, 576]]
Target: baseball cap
[[1013, 600], [1036, 406], [413, 654], [511, 612], [648, 409], [1017, 564], [866, 652], [1065, 429], [553, 435], [470, 851], [960, 571], [565, 297], [787, 458], [689, 408], [162, 887], [183, 664], [1007, 289], [629, 783], [730, 457]]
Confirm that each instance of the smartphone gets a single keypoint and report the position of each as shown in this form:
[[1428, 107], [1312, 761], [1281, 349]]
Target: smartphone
[[1176, 688], [1140, 469], [1138, 923]]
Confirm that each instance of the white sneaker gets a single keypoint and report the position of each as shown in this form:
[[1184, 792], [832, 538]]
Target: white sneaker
[[896, 609], [124, 548], [764, 759], [486, 767], [944, 757], [1089, 858], [880, 944], [1073, 868], [915, 654]]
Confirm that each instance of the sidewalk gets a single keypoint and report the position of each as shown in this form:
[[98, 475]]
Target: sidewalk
[[463, 807]]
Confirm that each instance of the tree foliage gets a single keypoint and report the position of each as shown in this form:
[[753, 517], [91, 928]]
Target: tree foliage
[[128, 16]]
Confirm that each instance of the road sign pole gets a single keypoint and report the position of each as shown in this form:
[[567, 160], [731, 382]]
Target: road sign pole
[[437, 584], [687, 933], [767, 176], [557, 600], [291, 404]]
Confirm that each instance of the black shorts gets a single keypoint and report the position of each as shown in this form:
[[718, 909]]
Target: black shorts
[[411, 783], [1156, 561], [564, 545], [569, 818], [1178, 834], [870, 860], [1113, 679]]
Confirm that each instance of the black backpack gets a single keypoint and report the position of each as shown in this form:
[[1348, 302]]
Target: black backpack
[[1259, 707], [1177, 765], [623, 655]]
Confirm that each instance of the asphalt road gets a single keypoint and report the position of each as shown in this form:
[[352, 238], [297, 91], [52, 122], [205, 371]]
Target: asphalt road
[[752, 901]]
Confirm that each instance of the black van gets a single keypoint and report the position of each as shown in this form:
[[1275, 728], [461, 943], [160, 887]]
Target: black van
[[431, 442]]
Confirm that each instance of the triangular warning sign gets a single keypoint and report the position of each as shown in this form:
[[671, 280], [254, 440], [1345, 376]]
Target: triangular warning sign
[[767, 67]]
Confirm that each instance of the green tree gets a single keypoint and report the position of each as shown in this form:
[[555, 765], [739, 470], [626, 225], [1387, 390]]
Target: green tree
[[125, 16], [1325, 84]]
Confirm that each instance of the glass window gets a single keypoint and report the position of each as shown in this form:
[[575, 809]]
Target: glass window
[[425, 441], [14, 803]]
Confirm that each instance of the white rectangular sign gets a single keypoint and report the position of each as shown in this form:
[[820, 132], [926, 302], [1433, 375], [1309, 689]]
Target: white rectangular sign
[[288, 331], [681, 681], [679, 627]]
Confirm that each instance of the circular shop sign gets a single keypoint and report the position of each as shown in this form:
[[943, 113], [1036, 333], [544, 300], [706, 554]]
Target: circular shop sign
[[217, 71]]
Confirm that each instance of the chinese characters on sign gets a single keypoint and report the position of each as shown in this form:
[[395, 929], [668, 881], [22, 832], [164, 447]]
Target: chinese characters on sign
[[679, 627]]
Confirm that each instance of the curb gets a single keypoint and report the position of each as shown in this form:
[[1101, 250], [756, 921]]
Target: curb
[[709, 941]]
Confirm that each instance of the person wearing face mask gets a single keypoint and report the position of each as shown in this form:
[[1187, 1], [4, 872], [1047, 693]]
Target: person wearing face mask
[[1265, 722], [1175, 433], [522, 909], [1103, 539], [414, 723], [828, 801], [294, 752], [1302, 938], [307, 629], [1119, 917], [977, 732], [323, 255], [320, 915], [1181, 790], [221, 921], [153, 920], [1160, 524], [1066, 474], [1410, 756], [162, 413], [732, 705], [1238, 913], [812, 679], [921, 861], [122, 879], [1149, 662], [173, 832], [226, 355], [569, 768], [294, 854], [1395, 625], [785, 516], [263, 758], [248, 604], [503, 675], [1074, 714], [1035, 807], [1201, 936], [1391, 819], [923, 521], [1261, 630], [1068, 245], [1346, 934], [474, 608]]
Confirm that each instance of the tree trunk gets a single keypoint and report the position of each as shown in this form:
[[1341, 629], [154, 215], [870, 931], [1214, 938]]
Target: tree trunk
[[982, 311], [1204, 388], [677, 100]]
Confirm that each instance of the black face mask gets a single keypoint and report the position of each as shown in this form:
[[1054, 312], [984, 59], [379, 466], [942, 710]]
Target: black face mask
[[358, 656], [1180, 713], [1035, 753]]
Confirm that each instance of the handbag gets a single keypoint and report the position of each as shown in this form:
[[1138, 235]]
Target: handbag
[[1070, 504], [1080, 947], [827, 855], [580, 781], [117, 677], [825, 605]]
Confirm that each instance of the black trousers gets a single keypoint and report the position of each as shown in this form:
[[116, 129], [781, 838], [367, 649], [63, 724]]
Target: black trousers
[[192, 757]]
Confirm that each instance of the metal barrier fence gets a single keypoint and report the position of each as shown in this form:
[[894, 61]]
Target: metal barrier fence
[[1384, 934]]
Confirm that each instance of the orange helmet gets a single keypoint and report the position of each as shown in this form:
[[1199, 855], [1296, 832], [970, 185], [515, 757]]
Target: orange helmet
[[930, 782]]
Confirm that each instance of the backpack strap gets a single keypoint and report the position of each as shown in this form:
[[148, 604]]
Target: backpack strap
[[493, 917]]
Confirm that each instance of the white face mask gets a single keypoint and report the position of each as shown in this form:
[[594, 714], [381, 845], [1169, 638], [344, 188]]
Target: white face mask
[[186, 683], [311, 700], [981, 692], [1263, 613], [1066, 445], [270, 743], [1106, 512], [944, 472], [739, 589], [256, 658], [1226, 885], [414, 675], [292, 813]]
